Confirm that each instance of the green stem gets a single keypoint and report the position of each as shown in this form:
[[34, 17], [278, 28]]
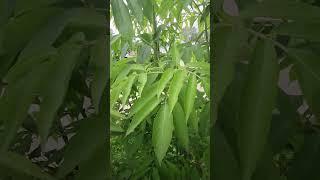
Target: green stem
[[156, 43]]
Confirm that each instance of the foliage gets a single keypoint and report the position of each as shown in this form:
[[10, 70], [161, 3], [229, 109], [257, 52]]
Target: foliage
[[53, 70], [264, 128], [160, 91]]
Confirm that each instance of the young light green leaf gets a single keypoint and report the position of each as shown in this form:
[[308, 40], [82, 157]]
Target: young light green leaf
[[164, 80], [98, 65], [142, 114], [180, 126], [162, 132], [126, 91], [21, 164], [191, 93], [175, 87], [57, 82], [122, 17], [257, 105]]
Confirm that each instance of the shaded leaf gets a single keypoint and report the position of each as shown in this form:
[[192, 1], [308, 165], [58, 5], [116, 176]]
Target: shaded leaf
[[257, 105]]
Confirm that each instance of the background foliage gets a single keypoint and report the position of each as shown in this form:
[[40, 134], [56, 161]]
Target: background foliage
[[53, 70], [160, 90], [266, 79]]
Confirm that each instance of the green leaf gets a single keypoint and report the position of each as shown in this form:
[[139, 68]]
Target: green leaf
[[144, 53], [22, 6], [126, 91], [135, 7], [306, 162], [175, 88], [307, 31], [115, 128], [115, 92], [180, 126], [98, 65], [15, 103], [47, 35], [257, 105], [148, 9], [190, 97], [56, 82], [139, 104], [142, 79], [83, 145], [225, 165], [142, 114], [164, 80], [175, 54], [162, 132], [116, 114], [285, 9], [96, 166], [21, 164], [165, 7], [307, 68], [14, 39], [228, 41], [122, 18]]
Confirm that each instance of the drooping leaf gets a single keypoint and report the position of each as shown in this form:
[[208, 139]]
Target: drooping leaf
[[57, 82], [225, 165], [175, 87], [144, 112], [191, 93], [126, 91], [15, 103], [138, 105], [164, 80], [307, 68], [122, 17], [162, 132], [180, 126], [98, 64], [228, 42], [257, 105], [148, 9], [135, 7], [142, 79]]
